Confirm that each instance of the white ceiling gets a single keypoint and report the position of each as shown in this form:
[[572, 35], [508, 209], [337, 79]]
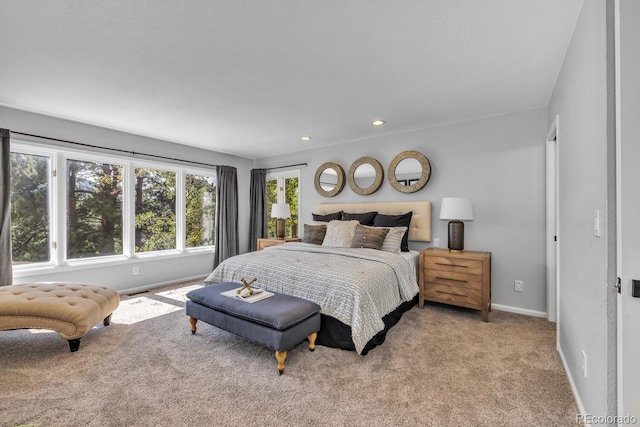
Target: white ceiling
[[250, 77]]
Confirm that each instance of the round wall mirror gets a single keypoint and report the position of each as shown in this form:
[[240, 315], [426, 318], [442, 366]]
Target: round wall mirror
[[365, 176], [329, 179], [409, 171]]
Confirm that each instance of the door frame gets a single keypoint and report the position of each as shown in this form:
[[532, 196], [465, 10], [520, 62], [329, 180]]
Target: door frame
[[552, 231]]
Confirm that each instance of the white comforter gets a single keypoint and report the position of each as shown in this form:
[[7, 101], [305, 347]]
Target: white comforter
[[356, 286]]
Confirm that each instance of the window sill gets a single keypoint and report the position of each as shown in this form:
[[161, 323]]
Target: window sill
[[89, 263]]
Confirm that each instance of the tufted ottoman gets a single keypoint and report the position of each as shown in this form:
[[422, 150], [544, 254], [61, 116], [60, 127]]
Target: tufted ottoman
[[67, 308]]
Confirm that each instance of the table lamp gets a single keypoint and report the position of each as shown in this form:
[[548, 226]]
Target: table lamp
[[280, 211], [456, 209]]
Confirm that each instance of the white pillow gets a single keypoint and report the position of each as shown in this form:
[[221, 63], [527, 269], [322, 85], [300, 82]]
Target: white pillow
[[340, 233], [393, 240]]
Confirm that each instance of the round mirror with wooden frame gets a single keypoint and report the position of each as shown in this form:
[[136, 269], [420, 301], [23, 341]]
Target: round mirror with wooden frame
[[409, 171], [329, 179], [365, 176]]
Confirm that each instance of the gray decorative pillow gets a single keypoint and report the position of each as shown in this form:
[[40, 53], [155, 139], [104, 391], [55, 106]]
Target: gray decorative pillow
[[369, 237], [393, 241], [314, 234], [340, 233]]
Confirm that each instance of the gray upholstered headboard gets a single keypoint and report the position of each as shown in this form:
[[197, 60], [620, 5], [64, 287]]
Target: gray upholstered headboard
[[419, 229]]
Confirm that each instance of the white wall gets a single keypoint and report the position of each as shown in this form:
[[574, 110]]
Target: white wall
[[580, 99], [155, 270], [497, 161]]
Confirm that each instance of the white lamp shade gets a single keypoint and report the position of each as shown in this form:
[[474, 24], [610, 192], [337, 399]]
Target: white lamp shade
[[459, 208], [280, 210]]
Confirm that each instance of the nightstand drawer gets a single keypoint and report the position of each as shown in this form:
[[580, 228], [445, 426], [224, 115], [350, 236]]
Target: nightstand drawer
[[467, 266], [449, 278], [444, 293]]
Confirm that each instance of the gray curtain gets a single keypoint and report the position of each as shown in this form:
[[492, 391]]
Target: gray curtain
[[6, 270], [258, 207], [226, 214]]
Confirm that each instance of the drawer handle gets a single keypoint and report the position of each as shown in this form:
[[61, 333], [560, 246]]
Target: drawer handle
[[449, 278], [451, 293], [452, 265]]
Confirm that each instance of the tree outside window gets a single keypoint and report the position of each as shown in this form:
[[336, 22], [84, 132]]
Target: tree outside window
[[94, 209], [29, 208], [155, 202], [200, 210]]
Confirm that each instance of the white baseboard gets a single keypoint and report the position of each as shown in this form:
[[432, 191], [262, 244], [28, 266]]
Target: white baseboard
[[576, 395], [519, 310], [157, 285]]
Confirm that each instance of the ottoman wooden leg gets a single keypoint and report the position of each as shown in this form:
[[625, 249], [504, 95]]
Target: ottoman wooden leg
[[74, 345], [281, 356], [107, 320], [312, 341], [193, 322]]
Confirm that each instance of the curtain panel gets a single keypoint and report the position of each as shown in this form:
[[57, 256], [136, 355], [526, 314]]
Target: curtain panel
[[258, 207], [6, 269], [226, 214]]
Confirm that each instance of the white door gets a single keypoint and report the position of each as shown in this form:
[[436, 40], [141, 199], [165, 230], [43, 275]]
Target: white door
[[628, 206]]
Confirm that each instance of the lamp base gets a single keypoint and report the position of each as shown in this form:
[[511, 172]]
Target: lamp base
[[456, 235], [280, 228]]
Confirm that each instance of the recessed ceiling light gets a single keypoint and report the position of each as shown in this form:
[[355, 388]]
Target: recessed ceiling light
[[305, 138], [377, 122]]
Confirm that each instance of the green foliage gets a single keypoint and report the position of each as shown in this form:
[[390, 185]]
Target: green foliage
[[201, 207], [155, 210], [29, 210], [94, 209]]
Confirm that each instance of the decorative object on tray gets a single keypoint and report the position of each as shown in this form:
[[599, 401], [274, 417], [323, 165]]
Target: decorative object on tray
[[245, 296], [365, 176], [280, 211], [456, 209], [329, 179], [246, 285], [409, 171]]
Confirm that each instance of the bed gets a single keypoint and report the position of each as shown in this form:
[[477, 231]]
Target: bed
[[362, 292]]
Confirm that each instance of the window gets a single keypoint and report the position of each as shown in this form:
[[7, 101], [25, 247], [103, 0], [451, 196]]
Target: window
[[30, 235], [71, 207], [283, 187], [155, 210], [200, 210], [94, 209]]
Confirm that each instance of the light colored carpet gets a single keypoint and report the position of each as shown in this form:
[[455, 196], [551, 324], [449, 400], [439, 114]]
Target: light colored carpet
[[440, 366]]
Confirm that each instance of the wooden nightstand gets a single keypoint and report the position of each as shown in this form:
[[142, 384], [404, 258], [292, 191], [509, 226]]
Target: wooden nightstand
[[265, 243], [456, 278]]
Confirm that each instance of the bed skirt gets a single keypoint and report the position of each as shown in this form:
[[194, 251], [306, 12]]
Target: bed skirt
[[333, 333]]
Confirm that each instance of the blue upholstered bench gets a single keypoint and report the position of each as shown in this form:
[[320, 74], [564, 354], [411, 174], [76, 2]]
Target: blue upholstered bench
[[279, 322]]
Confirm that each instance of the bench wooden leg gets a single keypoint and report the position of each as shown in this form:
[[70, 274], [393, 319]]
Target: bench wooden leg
[[107, 320], [193, 322], [74, 345], [281, 356], [312, 341]]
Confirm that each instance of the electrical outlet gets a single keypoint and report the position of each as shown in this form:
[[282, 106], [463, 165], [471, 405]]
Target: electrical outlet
[[518, 285], [136, 270], [584, 364], [436, 243]]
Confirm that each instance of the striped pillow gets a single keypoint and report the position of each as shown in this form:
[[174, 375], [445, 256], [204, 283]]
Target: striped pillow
[[393, 241]]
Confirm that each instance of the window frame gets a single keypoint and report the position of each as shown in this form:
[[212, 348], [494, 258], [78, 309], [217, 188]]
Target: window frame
[[58, 203]]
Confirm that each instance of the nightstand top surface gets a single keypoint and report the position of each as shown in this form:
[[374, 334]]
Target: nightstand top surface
[[463, 254]]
